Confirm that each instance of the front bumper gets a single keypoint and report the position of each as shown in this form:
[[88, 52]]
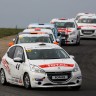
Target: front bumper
[[69, 40], [85, 34], [75, 80]]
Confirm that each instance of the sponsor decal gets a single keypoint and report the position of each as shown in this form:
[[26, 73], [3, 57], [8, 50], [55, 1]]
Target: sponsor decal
[[56, 65], [64, 30], [29, 50], [20, 80], [6, 65], [16, 80]]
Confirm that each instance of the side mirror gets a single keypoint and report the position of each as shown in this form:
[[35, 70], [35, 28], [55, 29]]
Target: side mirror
[[18, 59], [71, 56], [55, 42], [14, 40], [10, 44]]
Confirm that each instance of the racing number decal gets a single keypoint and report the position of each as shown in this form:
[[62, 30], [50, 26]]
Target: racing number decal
[[17, 66]]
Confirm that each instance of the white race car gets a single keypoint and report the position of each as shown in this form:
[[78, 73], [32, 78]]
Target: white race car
[[87, 25], [43, 31], [83, 14], [39, 65], [69, 33], [24, 37], [44, 26]]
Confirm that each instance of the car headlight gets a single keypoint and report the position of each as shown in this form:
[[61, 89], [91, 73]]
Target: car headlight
[[73, 33], [36, 69], [76, 68]]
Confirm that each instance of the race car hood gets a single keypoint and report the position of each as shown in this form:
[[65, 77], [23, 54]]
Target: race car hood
[[52, 65], [87, 26]]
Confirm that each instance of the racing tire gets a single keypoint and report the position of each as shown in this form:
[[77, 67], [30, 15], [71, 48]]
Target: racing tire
[[62, 43], [76, 88], [2, 77], [26, 80], [78, 41]]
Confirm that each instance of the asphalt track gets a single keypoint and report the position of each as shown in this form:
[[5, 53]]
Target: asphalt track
[[85, 55]]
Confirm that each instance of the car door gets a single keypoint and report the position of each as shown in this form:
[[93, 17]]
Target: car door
[[9, 60], [17, 67]]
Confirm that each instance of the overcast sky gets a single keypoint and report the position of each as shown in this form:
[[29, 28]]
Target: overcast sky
[[24, 12]]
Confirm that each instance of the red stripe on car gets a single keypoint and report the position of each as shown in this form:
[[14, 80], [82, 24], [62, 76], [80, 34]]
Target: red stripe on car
[[56, 65]]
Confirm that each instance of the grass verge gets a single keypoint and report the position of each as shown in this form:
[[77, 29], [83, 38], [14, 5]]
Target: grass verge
[[9, 31]]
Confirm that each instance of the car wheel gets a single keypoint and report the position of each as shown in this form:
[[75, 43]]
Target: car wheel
[[75, 88], [62, 43], [26, 80], [78, 41], [2, 77]]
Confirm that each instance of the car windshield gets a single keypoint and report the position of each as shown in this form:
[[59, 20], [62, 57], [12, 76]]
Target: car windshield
[[46, 54], [86, 20], [65, 24], [34, 39]]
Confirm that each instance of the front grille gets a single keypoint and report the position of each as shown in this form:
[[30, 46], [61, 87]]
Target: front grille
[[59, 74], [87, 32], [49, 84]]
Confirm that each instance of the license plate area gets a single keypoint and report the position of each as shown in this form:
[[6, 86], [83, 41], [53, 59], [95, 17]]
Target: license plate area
[[60, 77], [89, 32]]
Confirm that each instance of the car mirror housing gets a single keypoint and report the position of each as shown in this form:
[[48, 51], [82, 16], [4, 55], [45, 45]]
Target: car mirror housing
[[71, 56], [55, 42], [14, 40], [10, 44], [18, 59]]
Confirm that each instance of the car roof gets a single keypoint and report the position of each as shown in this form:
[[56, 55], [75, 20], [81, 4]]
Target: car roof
[[31, 46], [85, 14], [46, 25], [63, 20], [88, 17], [67, 20], [41, 30]]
